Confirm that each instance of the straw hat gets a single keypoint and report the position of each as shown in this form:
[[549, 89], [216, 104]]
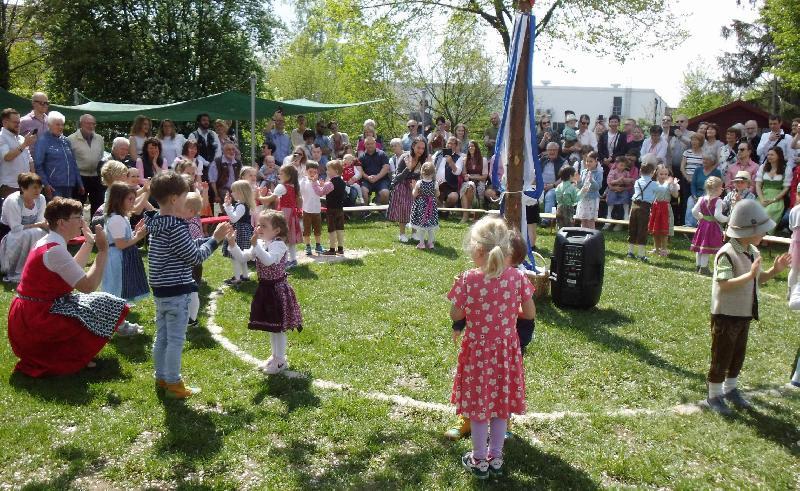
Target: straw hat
[[749, 219], [742, 175]]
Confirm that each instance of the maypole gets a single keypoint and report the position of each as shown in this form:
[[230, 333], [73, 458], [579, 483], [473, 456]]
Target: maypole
[[517, 162]]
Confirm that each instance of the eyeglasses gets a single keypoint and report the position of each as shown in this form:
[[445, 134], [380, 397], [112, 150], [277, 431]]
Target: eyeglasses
[[44, 103]]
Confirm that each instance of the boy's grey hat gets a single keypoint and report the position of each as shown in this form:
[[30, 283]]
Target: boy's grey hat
[[749, 219], [742, 175]]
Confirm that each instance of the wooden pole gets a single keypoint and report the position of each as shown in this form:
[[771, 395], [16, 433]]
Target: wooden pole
[[516, 132]]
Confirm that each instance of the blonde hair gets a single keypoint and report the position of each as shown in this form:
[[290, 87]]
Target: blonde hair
[[247, 169], [492, 237], [428, 170], [712, 182], [335, 166], [184, 164], [113, 171], [246, 190], [194, 202]]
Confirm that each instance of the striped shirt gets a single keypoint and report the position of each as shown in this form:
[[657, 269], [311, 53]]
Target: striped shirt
[[172, 254]]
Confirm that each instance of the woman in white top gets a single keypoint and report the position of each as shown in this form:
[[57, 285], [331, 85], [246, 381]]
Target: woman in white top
[[140, 131], [171, 141], [189, 152], [23, 213], [712, 144]]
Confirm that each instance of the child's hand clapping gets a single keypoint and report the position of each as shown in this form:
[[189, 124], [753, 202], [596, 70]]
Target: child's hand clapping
[[228, 199], [254, 240], [231, 238], [222, 231], [140, 231]]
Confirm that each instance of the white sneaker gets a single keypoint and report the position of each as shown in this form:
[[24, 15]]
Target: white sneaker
[[276, 367], [606, 226], [402, 238], [129, 329], [270, 361]]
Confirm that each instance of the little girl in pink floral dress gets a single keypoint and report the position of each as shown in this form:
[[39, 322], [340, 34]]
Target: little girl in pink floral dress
[[490, 379]]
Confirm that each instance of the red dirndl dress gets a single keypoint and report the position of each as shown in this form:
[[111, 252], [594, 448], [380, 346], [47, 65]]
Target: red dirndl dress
[[659, 218], [288, 205], [48, 343]]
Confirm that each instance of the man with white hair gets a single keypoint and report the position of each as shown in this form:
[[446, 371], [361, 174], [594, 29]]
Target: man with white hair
[[55, 162], [120, 151], [37, 118], [87, 146]]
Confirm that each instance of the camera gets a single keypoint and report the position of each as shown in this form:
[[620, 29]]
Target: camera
[[672, 130], [446, 152]]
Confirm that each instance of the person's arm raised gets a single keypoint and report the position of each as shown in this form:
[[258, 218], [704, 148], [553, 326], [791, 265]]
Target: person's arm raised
[[91, 281]]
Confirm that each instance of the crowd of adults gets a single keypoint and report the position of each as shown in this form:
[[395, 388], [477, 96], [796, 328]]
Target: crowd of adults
[[68, 165]]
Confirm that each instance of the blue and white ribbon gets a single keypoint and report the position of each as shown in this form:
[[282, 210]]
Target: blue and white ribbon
[[533, 184]]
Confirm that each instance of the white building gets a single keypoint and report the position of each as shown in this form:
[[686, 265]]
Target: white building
[[639, 104]]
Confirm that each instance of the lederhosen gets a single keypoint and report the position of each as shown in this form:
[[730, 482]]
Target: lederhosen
[[639, 218]]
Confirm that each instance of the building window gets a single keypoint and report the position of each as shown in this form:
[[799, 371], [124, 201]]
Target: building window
[[617, 106]]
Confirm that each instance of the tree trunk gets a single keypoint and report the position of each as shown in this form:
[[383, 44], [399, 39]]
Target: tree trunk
[[516, 136]]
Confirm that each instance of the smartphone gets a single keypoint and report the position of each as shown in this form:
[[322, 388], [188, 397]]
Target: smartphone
[[672, 130], [33, 131], [447, 151]]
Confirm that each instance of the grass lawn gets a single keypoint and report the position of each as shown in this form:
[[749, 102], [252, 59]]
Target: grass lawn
[[379, 325]]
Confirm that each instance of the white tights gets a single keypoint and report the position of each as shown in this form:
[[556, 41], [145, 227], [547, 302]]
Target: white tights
[[701, 260], [194, 305], [278, 342]]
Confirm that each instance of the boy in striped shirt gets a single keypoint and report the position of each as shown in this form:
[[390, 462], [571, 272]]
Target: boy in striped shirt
[[172, 255]]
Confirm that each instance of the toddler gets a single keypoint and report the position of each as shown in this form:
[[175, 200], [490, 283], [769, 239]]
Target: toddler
[[617, 189], [489, 384], [658, 224], [274, 307], [290, 202], [708, 213], [566, 197], [269, 173], [193, 207], [424, 213], [311, 192], [644, 193], [590, 181], [335, 191], [238, 205]]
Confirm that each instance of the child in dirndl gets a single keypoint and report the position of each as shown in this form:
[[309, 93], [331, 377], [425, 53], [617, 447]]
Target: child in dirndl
[[708, 213], [590, 182], [659, 222], [274, 307], [290, 203], [124, 275], [239, 205], [424, 213]]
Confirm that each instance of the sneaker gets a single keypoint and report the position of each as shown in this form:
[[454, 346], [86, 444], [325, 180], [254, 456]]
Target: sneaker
[[276, 367], [717, 404], [478, 468], [267, 364], [663, 253], [291, 264], [329, 252], [430, 245], [735, 397], [643, 259], [421, 244], [402, 238], [129, 329], [193, 323], [463, 430], [308, 250], [340, 251], [496, 466], [232, 281], [705, 271], [180, 391], [244, 278], [606, 226], [318, 249], [630, 255], [792, 383]]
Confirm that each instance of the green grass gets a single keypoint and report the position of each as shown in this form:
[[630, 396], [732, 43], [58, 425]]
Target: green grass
[[379, 324]]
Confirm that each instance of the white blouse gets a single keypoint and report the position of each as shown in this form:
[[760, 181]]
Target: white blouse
[[13, 213], [275, 250], [59, 260]]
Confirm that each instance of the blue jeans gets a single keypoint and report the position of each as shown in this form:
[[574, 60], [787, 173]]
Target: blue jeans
[[690, 220], [63, 191], [172, 316], [549, 203]]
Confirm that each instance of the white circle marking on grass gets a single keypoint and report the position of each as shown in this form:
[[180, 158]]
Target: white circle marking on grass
[[409, 402]]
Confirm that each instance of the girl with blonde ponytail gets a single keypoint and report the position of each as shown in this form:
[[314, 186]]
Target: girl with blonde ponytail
[[490, 380]]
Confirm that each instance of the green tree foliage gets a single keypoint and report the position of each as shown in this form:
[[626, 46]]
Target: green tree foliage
[[20, 50], [341, 55], [783, 19], [701, 92], [459, 82], [587, 24], [154, 51]]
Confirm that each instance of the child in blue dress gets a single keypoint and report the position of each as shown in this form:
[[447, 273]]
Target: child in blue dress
[[589, 184], [124, 275]]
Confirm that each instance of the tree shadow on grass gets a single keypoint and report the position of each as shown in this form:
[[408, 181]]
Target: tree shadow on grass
[[79, 462], [302, 271], [595, 326], [70, 389], [295, 392]]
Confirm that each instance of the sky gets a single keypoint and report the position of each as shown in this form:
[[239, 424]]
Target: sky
[[659, 70]]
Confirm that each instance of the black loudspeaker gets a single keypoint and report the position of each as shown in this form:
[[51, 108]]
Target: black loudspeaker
[[577, 267]]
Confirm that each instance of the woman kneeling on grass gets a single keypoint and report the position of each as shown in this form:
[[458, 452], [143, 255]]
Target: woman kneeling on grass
[[490, 379], [52, 330]]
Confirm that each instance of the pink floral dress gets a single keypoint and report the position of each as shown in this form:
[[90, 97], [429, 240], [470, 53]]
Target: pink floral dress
[[490, 378]]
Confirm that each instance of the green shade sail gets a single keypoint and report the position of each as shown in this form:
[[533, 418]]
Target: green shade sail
[[231, 105]]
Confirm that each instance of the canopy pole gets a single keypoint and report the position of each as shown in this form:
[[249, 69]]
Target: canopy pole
[[253, 120]]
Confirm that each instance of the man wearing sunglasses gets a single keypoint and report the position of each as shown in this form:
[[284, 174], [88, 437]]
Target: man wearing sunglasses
[[413, 133], [37, 118]]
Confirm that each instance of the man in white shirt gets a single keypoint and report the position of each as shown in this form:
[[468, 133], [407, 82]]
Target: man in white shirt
[[15, 156], [88, 149], [776, 138]]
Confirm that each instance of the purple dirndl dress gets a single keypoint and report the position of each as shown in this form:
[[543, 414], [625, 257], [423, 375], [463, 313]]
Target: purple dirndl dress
[[708, 238], [274, 307], [400, 203]]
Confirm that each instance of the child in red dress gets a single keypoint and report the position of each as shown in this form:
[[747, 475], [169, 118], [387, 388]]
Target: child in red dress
[[290, 202], [490, 380]]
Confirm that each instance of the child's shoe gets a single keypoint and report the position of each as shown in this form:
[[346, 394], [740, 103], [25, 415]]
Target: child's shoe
[[705, 271], [329, 252], [496, 466], [129, 329], [421, 244], [318, 249], [430, 245], [276, 367], [232, 281], [644, 259], [308, 249], [402, 238], [478, 468], [463, 430], [340, 251], [179, 391], [630, 255], [291, 264], [193, 323]]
